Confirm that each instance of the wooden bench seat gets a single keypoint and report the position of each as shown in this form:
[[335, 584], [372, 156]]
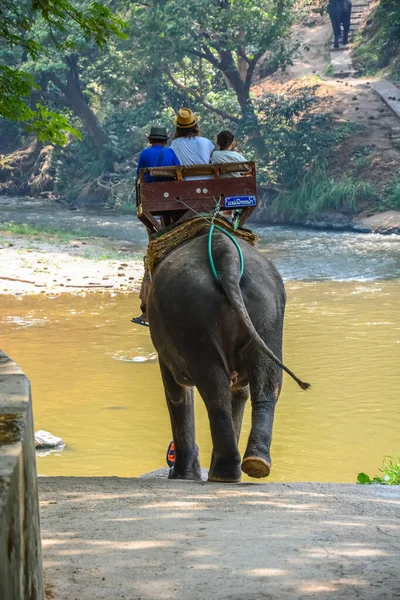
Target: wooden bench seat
[[160, 203]]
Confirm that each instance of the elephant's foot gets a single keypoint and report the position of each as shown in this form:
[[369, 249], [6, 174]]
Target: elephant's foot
[[256, 467], [225, 473], [191, 475]]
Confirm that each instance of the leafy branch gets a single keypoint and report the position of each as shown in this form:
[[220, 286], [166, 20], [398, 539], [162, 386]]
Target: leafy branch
[[197, 96]]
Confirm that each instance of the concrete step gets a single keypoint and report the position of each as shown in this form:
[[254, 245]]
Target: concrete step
[[341, 62], [389, 93], [345, 74]]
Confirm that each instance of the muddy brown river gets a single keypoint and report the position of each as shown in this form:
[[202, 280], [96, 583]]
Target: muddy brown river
[[96, 384]]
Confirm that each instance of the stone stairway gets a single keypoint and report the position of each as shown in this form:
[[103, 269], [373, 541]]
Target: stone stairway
[[340, 57]]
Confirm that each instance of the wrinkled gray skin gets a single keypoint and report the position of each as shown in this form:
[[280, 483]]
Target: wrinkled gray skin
[[340, 14], [204, 339]]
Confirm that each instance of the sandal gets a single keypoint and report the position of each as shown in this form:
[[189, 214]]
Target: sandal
[[139, 321]]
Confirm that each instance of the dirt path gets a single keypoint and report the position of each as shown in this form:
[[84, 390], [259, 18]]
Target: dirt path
[[372, 153], [111, 538]]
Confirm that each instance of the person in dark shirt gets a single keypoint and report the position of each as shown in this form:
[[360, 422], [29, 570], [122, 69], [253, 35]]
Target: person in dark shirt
[[157, 155]]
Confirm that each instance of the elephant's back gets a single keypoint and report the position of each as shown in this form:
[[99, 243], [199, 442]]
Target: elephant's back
[[192, 259]]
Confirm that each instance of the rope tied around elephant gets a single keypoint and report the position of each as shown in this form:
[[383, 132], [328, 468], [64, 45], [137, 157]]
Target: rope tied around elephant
[[168, 241], [215, 212]]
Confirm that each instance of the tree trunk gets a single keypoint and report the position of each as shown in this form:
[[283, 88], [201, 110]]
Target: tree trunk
[[242, 90], [75, 99], [89, 119]]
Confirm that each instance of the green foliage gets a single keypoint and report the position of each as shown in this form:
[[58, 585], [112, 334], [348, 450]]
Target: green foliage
[[377, 47], [38, 230], [75, 165], [19, 17], [15, 88], [391, 196], [203, 26], [210, 42], [297, 138], [22, 31], [319, 192], [390, 473], [316, 7], [329, 71]]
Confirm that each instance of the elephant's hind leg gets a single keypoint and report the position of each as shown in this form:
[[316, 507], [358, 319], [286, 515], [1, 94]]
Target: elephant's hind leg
[[239, 399], [346, 29], [181, 411], [335, 20], [217, 396], [265, 384]]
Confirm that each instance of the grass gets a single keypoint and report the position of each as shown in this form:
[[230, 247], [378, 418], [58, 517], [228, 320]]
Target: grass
[[390, 473], [329, 71], [105, 255], [376, 48], [37, 230], [320, 192], [391, 197]]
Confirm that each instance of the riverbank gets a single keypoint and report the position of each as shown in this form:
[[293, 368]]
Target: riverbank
[[47, 249], [385, 223], [48, 264], [169, 540]]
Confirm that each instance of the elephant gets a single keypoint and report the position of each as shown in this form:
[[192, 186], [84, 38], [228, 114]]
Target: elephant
[[340, 14], [213, 334]]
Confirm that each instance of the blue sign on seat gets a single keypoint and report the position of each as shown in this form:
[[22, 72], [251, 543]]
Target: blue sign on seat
[[239, 201]]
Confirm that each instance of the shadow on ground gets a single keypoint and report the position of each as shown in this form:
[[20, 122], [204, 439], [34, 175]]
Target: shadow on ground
[[107, 538]]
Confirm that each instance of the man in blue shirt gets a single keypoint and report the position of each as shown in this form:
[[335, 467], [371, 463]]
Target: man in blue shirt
[[157, 155]]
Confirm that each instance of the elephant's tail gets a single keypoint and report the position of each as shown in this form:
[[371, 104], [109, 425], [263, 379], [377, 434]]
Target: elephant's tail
[[234, 294]]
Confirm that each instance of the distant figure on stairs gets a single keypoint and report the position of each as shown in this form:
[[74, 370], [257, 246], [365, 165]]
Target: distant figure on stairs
[[340, 14]]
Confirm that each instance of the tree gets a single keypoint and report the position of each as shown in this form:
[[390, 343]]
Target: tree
[[230, 35], [67, 92], [19, 43]]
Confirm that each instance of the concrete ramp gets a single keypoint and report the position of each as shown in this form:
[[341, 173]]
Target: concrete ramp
[[143, 539], [389, 93]]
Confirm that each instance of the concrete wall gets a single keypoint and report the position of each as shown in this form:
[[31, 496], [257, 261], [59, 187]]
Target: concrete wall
[[20, 543]]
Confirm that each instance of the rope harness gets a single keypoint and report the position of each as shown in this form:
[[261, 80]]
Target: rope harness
[[230, 236], [214, 213]]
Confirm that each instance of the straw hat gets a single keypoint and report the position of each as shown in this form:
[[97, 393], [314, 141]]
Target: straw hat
[[158, 133], [185, 118]]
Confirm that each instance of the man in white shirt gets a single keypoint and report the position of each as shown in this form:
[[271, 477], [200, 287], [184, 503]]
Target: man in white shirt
[[188, 145]]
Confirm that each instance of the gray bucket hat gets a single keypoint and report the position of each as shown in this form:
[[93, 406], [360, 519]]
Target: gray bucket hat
[[158, 133]]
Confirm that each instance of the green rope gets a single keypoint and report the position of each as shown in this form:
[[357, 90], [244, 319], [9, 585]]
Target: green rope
[[210, 256]]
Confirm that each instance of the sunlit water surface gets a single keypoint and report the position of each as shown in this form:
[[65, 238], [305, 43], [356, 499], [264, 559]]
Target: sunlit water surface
[[96, 383]]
